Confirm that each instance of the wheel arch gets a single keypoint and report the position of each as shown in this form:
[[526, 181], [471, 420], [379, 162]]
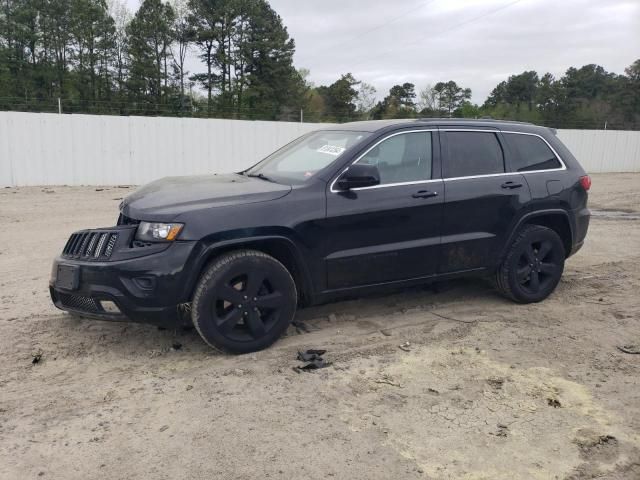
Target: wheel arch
[[557, 220], [281, 248]]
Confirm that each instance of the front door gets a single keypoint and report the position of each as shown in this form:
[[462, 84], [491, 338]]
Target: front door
[[390, 231], [481, 199]]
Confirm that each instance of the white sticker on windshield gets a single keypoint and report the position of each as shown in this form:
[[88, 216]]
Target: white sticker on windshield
[[331, 150]]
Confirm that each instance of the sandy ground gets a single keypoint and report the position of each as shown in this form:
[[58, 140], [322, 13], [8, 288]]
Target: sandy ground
[[487, 390]]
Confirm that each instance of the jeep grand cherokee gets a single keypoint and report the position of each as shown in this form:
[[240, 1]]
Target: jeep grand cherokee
[[348, 209]]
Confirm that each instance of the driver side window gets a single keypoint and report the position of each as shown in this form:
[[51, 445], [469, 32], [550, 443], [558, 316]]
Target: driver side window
[[402, 158]]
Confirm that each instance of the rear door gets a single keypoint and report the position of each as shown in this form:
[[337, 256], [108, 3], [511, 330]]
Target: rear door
[[390, 231], [481, 198]]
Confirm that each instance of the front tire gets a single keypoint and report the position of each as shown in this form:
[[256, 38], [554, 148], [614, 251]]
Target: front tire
[[533, 265], [244, 301]]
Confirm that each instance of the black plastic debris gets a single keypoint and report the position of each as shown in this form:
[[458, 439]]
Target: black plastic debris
[[313, 360], [630, 349], [37, 357]]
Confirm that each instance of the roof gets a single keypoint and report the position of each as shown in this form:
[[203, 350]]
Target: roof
[[376, 125]]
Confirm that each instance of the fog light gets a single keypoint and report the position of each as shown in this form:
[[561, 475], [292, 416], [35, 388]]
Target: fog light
[[109, 307]]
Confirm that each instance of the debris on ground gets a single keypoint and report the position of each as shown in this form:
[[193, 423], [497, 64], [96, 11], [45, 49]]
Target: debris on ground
[[406, 346], [36, 357], [313, 359], [176, 346], [554, 402], [591, 443], [300, 327], [386, 333], [99, 189], [631, 349], [495, 382], [388, 380]]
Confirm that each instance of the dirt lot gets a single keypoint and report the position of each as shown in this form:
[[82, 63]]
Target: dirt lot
[[487, 390]]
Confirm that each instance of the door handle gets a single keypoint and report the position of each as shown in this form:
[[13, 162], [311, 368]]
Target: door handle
[[511, 185], [424, 194]]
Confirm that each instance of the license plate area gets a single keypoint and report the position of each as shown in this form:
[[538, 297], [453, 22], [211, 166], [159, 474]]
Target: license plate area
[[68, 277]]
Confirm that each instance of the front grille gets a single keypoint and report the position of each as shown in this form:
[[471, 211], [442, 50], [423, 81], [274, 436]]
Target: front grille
[[94, 244], [79, 302]]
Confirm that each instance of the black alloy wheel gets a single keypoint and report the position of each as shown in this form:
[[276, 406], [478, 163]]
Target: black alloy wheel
[[533, 265], [244, 302], [537, 266]]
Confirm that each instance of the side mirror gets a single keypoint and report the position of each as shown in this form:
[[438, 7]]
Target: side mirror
[[359, 175]]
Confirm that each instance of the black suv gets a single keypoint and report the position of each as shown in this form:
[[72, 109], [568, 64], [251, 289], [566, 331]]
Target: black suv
[[345, 210]]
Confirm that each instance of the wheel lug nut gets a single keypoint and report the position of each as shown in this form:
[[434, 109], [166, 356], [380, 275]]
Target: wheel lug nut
[[245, 297], [255, 299], [239, 306]]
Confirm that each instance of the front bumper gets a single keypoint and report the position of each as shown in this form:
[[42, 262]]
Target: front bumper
[[144, 289]]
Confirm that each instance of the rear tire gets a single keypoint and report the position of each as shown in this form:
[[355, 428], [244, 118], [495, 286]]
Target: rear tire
[[533, 265], [244, 301]]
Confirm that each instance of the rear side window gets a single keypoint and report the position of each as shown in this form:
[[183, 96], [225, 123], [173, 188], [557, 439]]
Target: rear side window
[[530, 153], [473, 153]]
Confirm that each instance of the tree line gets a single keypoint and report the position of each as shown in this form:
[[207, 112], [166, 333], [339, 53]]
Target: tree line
[[585, 97], [97, 57]]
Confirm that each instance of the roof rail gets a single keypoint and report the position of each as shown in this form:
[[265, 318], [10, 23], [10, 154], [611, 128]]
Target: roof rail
[[482, 119]]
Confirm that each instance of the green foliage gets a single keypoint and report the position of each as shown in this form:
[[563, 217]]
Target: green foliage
[[248, 56], [400, 103], [98, 59], [585, 97], [339, 99], [150, 36]]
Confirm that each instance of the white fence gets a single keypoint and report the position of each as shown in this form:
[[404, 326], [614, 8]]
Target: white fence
[[602, 151], [50, 149]]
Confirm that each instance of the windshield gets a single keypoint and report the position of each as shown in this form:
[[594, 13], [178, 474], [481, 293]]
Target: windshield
[[303, 158]]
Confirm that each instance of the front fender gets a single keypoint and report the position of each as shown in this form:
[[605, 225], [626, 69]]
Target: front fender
[[270, 243]]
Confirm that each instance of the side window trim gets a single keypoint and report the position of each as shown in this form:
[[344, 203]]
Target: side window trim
[[505, 151], [435, 164]]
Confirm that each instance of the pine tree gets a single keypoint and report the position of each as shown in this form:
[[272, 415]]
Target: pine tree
[[150, 36]]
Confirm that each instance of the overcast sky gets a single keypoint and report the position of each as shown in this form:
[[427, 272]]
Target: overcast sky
[[477, 43]]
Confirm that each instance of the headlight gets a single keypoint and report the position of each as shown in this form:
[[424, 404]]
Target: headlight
[[158, 232]]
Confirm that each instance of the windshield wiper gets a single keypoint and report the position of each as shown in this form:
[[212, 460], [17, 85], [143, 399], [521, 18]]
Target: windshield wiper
[[261, 176]]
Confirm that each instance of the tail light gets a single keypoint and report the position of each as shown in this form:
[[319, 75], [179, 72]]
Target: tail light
[[585, 182]]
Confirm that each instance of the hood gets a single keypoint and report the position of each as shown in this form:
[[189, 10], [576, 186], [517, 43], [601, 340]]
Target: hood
[[171, 196]]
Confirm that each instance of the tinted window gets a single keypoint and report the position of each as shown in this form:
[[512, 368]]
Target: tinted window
[[402, 158], [530, 153], [473, 153]]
